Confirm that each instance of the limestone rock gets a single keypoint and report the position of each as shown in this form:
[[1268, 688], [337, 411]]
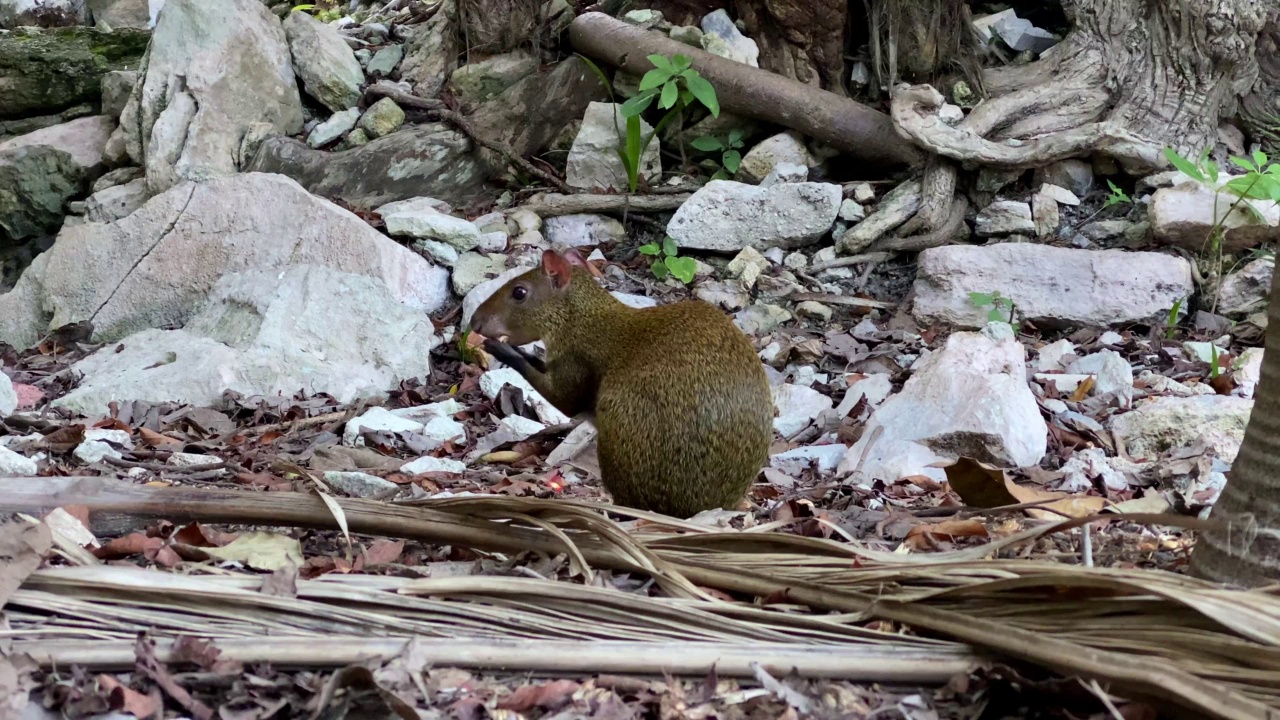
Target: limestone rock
[[358, 484], [1247, 289], [385, 61], [796, 407], [426, 159], [156, 267], [1072, 174], [382, 119], [266, 332], [472, 268], [324, 62], [1166, 423], [484, 80], [1004, 217], [1086, 287], [117, 85], [335, 127], [1044, 214], [41, 171], [1184, 214], [968, 399], [1111, 373], [566, 231], [43, 72], [721, 37], [213, 70], [461, 234], [593, 161], [787, 147], [116, 202], [727, 216]]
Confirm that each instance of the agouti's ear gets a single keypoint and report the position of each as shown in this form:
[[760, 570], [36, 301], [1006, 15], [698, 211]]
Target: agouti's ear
[[557, 268], [575, 258]]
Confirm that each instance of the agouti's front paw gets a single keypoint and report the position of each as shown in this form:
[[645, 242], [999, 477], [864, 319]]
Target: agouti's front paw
[[513, 356]]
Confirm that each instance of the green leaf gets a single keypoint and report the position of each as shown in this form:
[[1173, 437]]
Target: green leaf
[[995, 316], [1243, 164], [636, 105], [682, 267], [720, 175], [732, 159], [735, 138], [650, 249], [634, 150], [981, 299], [1211, 169], [1183, 165], [654, 79], [686, 97], [669, 245], [680, 63], [1260, 159], [1253, 186], [702, 90], [707, 143], [659, 269], [662, 63], [670, 93]]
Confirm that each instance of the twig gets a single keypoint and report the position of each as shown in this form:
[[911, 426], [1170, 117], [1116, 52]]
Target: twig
[[871, 257], [302, 422], [163, 467], [831, 299], [439, 111]]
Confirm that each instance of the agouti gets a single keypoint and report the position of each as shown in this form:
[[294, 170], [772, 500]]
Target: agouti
[[681, 401]]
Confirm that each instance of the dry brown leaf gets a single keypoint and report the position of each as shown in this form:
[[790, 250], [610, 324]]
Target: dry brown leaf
[[950, 529], [986, 486], [123, 699], [549, 696], [23, 545], [132, 544], [204, 654], [381, 552], [1083, 389]]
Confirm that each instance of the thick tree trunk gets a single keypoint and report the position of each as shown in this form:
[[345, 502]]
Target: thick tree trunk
[[1249, 552]]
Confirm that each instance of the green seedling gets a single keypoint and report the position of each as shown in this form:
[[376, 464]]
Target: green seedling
[[730, 149], [667, 262]]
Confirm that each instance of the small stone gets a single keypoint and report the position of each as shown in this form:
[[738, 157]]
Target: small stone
[[1050, 357], [795, 261], [593, 161], [335, 127], [14, 465], [492, 242], [431, 225], [760, 318], [1044, 213], [383, 118], [814, 310], [1247, 372], [722, 37], [363, 56], [824, 457], [1111, 372], [116, 202], [356, 138], [418, 204], [643, 19], [472, 268], [729, 295], [786, 147], [441, 430], [116, 86], [1105, 229], [875, 387], [95, 451], [492, 382], [385, 61], [428, 464], [726, 216], [358, 484], [1059, 194], [687, 34], [8, 396], [566, 231], [437, 252], [1004, 217], [1203, 351], [852, 211], [998, 330], [797, 406], [747, 266], [1165, 423], [863, 192], [1248, 289], [786, 172], [526, 220], [1110, 337], [1072, 174], [377, 419]]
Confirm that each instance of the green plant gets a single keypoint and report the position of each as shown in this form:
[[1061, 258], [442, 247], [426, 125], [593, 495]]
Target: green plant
[[668, 263], [1260, 181], [730, 149], [1214, 370], [1001, 307], [1171, 322], [1116, 197]]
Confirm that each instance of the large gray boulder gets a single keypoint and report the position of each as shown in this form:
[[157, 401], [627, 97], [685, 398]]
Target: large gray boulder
[[267, 332], [41, 171], [213, 70], [324, 62], [43, 72], [424, 160], [1047, 284], [155, 267]]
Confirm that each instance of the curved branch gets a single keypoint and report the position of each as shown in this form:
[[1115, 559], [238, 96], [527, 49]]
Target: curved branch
[[951, 231]]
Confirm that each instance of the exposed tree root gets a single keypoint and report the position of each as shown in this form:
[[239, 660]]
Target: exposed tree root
[[952, 230]]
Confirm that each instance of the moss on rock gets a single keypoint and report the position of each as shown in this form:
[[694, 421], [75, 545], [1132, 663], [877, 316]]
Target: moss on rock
[[43, 72]]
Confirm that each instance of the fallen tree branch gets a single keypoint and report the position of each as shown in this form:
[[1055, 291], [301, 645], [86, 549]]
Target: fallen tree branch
[[849, 126], [553, 204], [438, 111], [869, 663]]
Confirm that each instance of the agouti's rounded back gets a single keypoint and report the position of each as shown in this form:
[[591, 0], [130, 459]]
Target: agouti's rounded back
[[680, 399]]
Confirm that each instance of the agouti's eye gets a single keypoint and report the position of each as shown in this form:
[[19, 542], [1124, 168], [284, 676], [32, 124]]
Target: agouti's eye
[[519, 293]]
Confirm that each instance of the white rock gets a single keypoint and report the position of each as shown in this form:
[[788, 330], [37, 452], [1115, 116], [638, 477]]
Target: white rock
[[1247, 372], [157, 266], [1044, 215], [441, 253], [721, 37], [417, 204], [852, 211], [8, 396], [471, 269], [1203, 351], [117, 437], [785, 172], [1087, 287], [1055, 406], [444, 429], [526, 220], [1004, 217], [970, 398], [1248, 289], [229, 61], [1087, 464], [324, 62], [183, 459], [875, 387], [1059, 194], [421, 413], [593, 161], [1157, 384], [520, 427], [950, 114], [492, 382], [1184, 214], [787, 147], [795, 461], [461, 234], [814, 310], [566, 231], [338, 124], [747, 266], [760, 318], [267, 333], [93, 451], [1062, 382], [634, 301], [14, 465], [797, 406], [1111, 373], [863, 192], [1110, 337], [1164, 423], [428, 464], [493, 242], [727, 216], [1049, 358], [358, 484], [377, 419]]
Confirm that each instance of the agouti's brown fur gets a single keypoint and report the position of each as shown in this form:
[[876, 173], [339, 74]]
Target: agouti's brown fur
[[680, 399]]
